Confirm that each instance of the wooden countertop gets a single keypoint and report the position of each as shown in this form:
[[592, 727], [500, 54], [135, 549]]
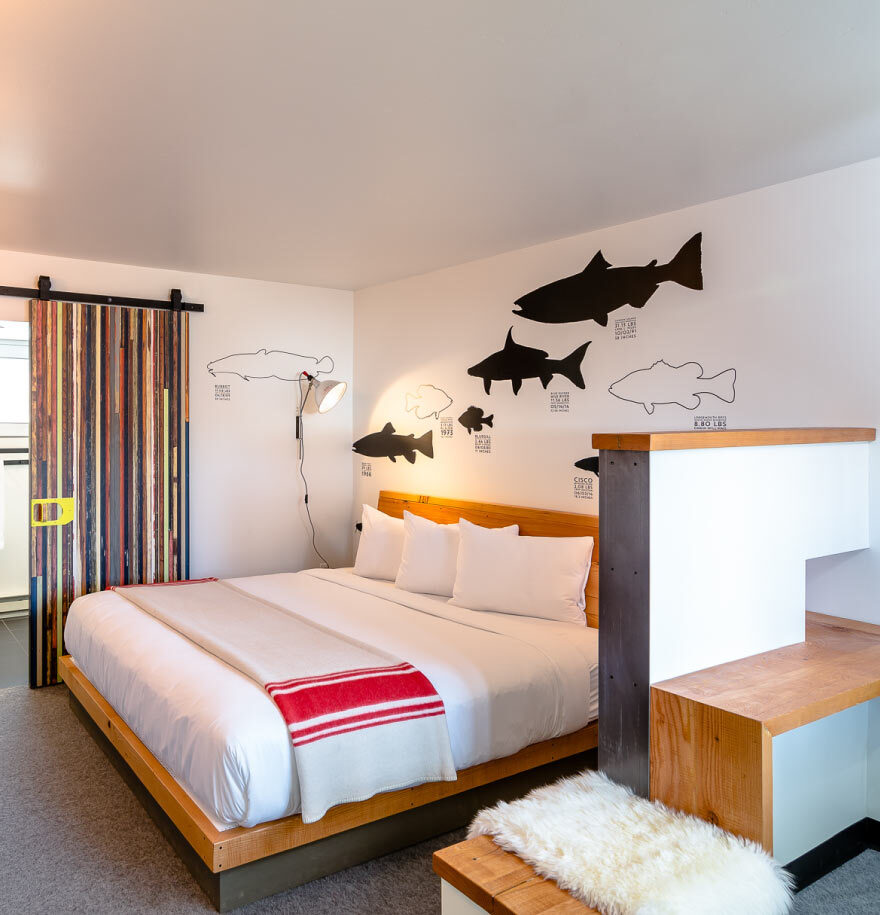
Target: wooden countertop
[[838, 666], [501, 882], [727, 438]]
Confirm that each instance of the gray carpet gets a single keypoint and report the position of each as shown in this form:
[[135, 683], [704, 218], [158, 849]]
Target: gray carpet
[[74, 839], [852, 889]]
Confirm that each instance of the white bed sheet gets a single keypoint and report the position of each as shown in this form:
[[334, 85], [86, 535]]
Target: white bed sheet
[[505, 681]]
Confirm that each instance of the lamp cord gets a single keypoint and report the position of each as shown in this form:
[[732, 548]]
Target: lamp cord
[[302, 459]]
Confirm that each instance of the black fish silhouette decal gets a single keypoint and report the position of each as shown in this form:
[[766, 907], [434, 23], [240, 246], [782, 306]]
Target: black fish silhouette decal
[[388, 443], [473, 419], [515, 363], [601, 288], [590, 464]]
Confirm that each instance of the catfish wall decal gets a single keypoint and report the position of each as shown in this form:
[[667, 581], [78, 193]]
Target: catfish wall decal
[[270, 363], [515, 363], [387, 443], [600, 288]]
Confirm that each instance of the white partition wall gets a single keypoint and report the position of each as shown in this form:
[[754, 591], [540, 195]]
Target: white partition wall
[[730, 532], [704, 539]]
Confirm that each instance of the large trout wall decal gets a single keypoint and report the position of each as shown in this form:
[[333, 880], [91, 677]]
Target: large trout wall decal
[[600, 288]]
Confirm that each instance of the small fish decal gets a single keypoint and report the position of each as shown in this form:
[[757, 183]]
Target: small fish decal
[[473, 419], [428, 400], [590, 464], [663, 383], [600, 288], [515, 363], [388, 443], [272, 363]]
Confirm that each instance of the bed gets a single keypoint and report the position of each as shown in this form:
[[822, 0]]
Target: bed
[[211, 757]]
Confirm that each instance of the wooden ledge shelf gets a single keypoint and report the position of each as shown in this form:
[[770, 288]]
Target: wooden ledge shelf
[[502, 883], [712, 730], [838, 666], [727, 438]]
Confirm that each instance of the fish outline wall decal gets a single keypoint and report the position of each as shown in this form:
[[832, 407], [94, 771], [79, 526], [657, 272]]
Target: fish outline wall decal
[[600, 288], [388, 443], [589, 464], [662, 383], [270, 363], [429, 400], [515, 363], [473, 419]]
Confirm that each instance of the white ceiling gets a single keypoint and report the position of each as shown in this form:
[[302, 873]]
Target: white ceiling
[[345, 143]]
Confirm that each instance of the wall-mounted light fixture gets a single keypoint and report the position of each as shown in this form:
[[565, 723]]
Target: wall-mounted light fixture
[[327, 394]]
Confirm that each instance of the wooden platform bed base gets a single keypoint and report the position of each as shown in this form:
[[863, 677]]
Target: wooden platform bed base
[[240, 865]]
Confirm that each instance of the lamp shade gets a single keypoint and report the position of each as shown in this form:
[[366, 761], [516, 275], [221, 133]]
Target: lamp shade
[[328, 393]]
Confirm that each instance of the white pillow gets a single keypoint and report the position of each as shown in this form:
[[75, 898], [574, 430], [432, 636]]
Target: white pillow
[[430, 554], [380, 547], [528, 576]]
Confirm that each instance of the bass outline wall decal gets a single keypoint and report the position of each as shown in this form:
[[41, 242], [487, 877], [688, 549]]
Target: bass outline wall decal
[[387, 443], [515, 363], [429, 400], [662, 383], [589, 464], [272, 363], [473, 419], [600, 288]]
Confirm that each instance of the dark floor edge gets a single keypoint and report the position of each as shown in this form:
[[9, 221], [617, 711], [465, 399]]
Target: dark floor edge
[[286, 870], [861, 836]]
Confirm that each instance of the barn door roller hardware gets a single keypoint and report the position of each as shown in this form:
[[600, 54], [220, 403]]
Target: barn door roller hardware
[[44, 293]]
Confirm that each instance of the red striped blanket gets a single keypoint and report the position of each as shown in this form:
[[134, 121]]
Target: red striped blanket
[[352, 700], [361, 720]]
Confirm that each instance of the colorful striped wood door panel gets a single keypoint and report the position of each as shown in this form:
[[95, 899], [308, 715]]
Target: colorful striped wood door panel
[[109, 430]]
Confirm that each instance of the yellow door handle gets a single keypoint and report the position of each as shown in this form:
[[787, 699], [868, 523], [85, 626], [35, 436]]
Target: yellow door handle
[[38, 514]]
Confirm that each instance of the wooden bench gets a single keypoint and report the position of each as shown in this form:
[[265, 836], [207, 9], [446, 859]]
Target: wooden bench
[[494, 880], [713, 732]]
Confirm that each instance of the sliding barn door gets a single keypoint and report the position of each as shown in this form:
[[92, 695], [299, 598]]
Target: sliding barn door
[[109, 458]]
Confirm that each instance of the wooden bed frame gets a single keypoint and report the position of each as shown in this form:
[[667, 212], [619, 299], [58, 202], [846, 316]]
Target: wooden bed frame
[[238, 865]]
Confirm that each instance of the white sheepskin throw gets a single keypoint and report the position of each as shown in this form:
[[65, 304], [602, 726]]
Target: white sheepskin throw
[[624, 855]]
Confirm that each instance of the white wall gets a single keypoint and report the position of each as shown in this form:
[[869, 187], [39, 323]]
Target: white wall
[[727, 570], [246, 508], [822, 779], [873, 777], [790, 300]]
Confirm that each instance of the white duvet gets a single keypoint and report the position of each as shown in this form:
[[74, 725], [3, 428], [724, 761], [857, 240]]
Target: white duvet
[[505, 681]]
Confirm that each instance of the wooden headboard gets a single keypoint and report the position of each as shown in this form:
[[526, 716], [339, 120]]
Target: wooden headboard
[[533, 522]]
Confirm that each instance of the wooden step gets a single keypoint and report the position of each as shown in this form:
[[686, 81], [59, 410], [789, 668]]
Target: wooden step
[[502, 883]]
